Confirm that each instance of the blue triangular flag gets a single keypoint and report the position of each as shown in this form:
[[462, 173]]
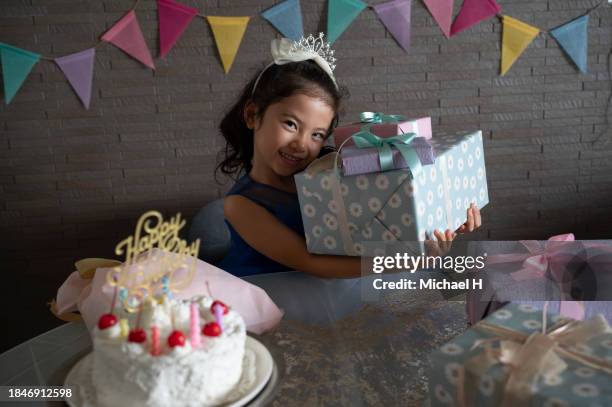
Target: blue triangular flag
[[286, 17], [340, 14], [573, 38], [16, 65]]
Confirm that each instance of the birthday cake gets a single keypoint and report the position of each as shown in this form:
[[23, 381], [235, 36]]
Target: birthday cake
[[172, 353]]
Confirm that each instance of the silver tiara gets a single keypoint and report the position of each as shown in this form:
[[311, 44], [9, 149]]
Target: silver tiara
[[285, 51], [317, 46]]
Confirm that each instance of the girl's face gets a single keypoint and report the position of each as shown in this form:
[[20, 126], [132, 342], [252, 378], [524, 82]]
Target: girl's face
[[290, 135]]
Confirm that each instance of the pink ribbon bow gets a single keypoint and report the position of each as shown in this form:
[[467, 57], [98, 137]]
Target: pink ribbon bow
[[553, 255]]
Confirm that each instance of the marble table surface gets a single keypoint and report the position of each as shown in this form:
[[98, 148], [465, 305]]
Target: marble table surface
[[332, 348]]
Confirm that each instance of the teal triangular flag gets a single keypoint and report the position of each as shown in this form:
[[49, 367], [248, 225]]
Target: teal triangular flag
[[340, 14], [16, 65], [286, 17], [573, 38]]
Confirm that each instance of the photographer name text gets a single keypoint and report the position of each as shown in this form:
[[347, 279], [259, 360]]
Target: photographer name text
[[428, 284]]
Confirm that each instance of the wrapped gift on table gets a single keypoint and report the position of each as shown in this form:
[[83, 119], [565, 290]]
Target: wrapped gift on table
[[340, 213], [518, 357], [383, 126], [570, 274]]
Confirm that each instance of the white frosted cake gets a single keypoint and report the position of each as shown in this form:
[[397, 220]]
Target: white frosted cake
[[160, 363]]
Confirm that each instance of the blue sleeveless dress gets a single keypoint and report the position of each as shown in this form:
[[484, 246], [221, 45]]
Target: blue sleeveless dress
[[242, 259]]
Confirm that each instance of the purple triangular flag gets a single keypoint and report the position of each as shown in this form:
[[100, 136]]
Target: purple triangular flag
[[78, 69], [395, 15]]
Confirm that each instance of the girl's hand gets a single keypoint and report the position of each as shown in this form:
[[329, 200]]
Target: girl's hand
[[473, 220], [442, 245], [444, 240]]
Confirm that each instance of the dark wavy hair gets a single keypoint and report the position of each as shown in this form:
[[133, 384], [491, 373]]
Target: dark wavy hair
[[276, 83]]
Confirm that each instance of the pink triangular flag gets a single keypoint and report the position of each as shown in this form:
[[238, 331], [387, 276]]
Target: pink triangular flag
[[395, 15], [442, 12], [126, 35], [78, 68], [472, 12], [173, 20]]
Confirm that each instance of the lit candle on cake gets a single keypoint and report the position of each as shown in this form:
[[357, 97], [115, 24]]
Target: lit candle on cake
[[125, 327], [176, 338], [219, 316], [166, 286], [219, 309], [109, 320], [155, 345], [194, 325], [138, 335]]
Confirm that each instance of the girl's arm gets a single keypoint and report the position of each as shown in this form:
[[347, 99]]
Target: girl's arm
[[266, 234]]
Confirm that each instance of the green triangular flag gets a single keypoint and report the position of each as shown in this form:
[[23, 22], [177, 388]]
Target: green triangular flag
[[340, 14], [16, 65]]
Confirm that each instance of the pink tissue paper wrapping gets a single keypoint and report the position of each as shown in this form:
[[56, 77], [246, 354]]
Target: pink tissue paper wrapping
[[92, 297], [420, 126]]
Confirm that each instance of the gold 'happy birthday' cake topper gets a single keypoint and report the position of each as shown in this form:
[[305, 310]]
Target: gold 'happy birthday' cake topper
[[147, 272]]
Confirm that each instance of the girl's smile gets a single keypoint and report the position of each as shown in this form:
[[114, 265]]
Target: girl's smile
[[290, 160]]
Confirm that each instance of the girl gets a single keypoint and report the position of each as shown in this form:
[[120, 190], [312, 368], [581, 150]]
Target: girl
[[276, 128]]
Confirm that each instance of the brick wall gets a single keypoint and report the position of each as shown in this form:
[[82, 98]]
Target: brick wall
[[75, 181]]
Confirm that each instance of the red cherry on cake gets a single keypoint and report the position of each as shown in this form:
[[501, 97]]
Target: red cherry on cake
[[106, 321], [211, 329], [176, 338], [137, 335], [219, 303]]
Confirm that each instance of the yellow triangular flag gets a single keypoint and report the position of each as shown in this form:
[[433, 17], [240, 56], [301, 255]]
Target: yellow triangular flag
[[516, 37], [228, 33]]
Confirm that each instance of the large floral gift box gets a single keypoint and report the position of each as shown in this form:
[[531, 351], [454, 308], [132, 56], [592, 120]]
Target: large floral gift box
[[516, 357], [340, 213]]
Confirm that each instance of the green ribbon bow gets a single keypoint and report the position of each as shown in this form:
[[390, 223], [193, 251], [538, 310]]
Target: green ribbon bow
[[376, 117], [366, 139]]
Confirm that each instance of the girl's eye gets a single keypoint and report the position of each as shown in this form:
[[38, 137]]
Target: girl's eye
[[319, 136], [289, 123]]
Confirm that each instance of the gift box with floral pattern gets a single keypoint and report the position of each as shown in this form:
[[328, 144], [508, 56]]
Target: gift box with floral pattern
[[515, 357], [340, 213]]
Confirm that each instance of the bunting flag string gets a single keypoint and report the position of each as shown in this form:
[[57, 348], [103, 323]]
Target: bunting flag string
[[395, 16], [516, 37], [442, 12], [78, 69], [127, 36], [173, 20], [473, 12], [228, 33], [572, 37], [16, 65], [340, 14], [286, 17]]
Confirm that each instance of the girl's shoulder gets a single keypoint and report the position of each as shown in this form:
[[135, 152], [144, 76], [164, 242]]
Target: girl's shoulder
[[267, 196], [242, 184]]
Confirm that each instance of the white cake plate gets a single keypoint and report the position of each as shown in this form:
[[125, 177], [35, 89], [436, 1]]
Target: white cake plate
[[257, 367]]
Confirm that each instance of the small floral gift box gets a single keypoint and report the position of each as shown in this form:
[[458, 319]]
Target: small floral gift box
[[523, 356], [341, 213], [375, 154], [383, 126]]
